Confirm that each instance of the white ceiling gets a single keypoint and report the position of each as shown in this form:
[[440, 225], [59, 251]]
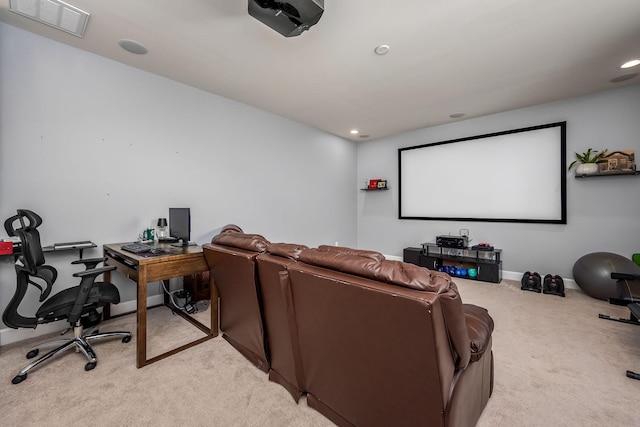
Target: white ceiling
[[447, 56]]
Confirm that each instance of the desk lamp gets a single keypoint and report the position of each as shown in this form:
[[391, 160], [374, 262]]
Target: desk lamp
[[161, 233]]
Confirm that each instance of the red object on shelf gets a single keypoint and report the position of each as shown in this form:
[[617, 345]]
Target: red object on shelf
[[373, 183], [6, 248]]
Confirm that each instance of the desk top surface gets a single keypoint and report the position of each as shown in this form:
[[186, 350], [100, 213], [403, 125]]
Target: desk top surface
[[171, 252]]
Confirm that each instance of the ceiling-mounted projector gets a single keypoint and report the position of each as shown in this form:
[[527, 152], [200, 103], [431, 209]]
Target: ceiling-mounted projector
[[289, 17]]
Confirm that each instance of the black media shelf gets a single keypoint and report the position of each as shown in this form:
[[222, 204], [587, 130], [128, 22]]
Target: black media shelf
[[487, 263]]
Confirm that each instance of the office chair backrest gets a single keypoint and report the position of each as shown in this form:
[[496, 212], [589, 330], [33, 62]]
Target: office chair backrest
[[32, 255], [29, 266]]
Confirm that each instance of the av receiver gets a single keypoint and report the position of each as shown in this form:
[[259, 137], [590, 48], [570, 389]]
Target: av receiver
[[458, 242]]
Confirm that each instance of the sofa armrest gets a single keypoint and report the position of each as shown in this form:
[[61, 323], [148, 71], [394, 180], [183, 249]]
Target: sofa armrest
[[479, 327]]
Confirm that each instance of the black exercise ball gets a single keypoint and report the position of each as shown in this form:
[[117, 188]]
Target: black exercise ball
[[593, 271]]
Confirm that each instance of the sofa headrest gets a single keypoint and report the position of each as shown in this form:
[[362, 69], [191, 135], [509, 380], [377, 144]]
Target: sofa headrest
[[286, 250], [229, 228], [236, 239], [350, 251], [394, 272]]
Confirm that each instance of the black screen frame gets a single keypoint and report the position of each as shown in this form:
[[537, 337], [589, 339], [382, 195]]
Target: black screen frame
[[477, 181]]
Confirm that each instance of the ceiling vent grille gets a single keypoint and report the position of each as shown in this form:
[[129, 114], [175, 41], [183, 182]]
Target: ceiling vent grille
[[54, 13]]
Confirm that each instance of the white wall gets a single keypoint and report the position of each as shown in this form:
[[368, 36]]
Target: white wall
[[603, 214], [101, 150]]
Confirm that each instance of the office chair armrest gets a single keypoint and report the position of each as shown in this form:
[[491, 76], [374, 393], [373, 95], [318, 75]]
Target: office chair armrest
[[89, 262], [88, 278], [625, 276], [94, 271]]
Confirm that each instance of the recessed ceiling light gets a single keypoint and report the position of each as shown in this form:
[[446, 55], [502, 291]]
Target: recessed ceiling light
[[354, 132], [631, 63], [383, 49], [54, 13], [456, 115], [133, 46], [623, 77]]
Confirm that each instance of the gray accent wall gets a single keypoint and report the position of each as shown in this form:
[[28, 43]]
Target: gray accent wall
[[603, 214], [101, 150]]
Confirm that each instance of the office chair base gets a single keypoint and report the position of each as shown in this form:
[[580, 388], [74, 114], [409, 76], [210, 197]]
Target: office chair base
[[80, 343]]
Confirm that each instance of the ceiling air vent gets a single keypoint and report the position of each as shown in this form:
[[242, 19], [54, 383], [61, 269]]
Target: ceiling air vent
[[54, 13]]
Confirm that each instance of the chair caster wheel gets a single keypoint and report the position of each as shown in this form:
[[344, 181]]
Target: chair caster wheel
[[89, 366], [33, 353], [126, 339], [18, 379]]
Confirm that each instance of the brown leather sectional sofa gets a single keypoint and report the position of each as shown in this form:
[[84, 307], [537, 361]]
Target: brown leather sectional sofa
[[371, 342]]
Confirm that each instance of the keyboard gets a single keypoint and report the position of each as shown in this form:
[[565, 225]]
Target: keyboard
[[136, 248]]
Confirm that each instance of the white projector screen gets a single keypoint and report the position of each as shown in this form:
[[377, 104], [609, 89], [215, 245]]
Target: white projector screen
[[511, 176]]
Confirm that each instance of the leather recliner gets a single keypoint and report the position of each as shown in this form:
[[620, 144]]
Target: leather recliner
[[371, 341], [231, 257], [279, 316], [388, 343]]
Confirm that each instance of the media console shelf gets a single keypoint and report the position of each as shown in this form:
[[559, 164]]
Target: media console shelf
[[488, 264]]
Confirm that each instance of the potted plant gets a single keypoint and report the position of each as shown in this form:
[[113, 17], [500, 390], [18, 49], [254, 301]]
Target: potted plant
[[588, 161]]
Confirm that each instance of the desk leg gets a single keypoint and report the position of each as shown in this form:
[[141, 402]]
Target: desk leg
[[167, 300], [141, 339], [213, 306], [106, 309]]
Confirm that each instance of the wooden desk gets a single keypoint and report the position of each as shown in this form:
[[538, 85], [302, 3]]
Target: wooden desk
[[142, 270]]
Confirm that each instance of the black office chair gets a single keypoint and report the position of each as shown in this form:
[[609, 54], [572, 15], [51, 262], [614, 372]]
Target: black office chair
[[77, 304]]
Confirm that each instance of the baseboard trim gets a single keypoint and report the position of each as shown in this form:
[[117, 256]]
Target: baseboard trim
[[8, 335]]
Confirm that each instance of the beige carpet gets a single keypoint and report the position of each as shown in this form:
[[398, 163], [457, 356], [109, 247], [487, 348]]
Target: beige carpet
[[556, 364]]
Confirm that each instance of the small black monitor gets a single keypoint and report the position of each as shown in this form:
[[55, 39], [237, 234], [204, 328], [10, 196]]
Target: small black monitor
[[180, 225]]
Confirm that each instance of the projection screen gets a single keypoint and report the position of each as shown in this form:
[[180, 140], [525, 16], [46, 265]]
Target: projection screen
[[512, 176]]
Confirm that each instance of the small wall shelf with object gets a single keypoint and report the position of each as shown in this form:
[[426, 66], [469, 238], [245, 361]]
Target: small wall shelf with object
[[485, 264], [375, 185]]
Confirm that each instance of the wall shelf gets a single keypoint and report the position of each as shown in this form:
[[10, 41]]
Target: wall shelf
[[597, 175], [375, 184], [56, 247]]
